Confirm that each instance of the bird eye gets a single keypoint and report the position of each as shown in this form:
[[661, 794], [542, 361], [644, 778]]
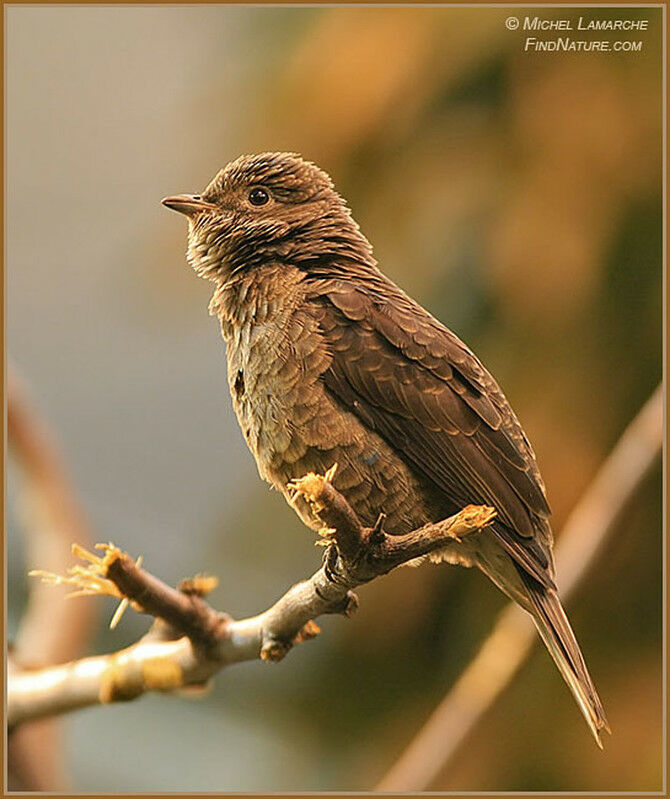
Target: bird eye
[[258, 196]]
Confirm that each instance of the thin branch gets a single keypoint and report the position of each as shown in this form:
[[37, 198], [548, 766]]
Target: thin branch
[[191, 641], [504, 651]]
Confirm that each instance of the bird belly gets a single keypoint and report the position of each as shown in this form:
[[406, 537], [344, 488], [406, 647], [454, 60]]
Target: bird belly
[[293, 426]]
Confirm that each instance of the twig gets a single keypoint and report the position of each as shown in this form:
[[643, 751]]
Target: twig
[[192, 641], [512, 638]]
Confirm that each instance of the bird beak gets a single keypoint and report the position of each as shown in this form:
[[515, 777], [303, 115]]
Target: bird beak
[[188, 204]]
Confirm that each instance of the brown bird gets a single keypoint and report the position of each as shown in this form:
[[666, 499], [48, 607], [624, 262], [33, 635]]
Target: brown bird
[[330, 362]]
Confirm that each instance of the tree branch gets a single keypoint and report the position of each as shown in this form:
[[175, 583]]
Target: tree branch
[[191, 642], [504, 651]]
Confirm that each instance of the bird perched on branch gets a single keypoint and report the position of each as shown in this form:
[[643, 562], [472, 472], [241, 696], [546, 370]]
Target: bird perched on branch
[[330, 362]]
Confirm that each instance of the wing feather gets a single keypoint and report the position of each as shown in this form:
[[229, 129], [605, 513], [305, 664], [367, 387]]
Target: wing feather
[[415, 383]]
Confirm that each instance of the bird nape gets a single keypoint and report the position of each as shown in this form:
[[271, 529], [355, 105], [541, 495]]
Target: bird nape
[[329, 361]]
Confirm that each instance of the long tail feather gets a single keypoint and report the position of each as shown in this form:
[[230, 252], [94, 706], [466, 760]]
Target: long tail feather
[[554, 628]]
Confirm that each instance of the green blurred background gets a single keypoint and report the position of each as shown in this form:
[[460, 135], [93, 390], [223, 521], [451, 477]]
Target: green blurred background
[[518, 196]]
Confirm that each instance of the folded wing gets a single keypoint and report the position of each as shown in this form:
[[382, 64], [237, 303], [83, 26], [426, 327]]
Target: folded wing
[[417, 385]]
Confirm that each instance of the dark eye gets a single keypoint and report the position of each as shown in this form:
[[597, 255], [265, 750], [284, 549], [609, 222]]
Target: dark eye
[[258, 196]]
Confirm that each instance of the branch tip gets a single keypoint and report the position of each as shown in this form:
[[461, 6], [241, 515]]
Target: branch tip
[[118, 613], [377, 532], [472, 518], [309, 631], [200, 585], [312, 486], [274, 651], [351, 604]]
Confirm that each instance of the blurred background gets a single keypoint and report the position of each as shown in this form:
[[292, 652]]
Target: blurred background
[[518, 196]]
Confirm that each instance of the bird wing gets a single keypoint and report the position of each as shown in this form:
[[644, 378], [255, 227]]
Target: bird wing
[[416, 384]]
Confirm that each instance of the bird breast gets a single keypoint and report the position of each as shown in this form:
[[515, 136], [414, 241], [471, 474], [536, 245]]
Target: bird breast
[[275, 358]]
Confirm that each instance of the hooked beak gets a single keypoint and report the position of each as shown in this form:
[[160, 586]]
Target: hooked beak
[[188, 204]]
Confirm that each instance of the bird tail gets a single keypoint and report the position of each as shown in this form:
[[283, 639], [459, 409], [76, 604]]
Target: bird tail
[[554, 628]]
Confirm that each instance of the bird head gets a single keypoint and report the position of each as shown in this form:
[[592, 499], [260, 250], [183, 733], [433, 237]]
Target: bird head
[[271, 207]]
